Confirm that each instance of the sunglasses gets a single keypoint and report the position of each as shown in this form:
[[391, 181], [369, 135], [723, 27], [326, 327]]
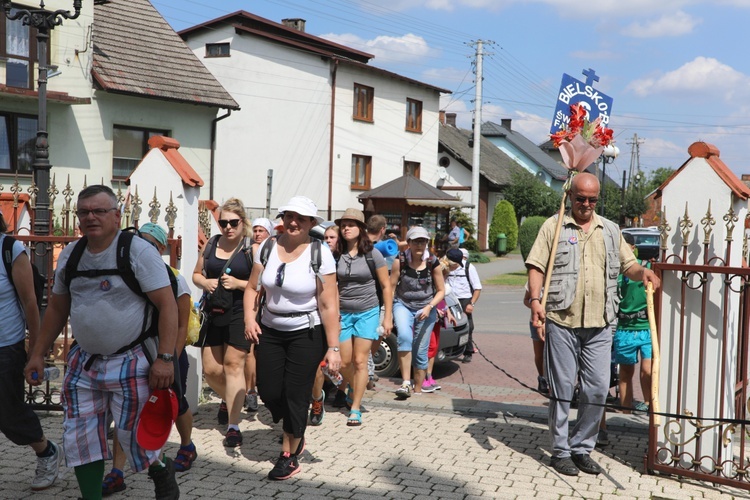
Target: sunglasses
[[280, 274], [583, 199], [234, 223]]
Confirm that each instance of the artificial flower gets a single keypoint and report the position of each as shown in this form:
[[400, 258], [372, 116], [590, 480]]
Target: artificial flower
[[582, 141]]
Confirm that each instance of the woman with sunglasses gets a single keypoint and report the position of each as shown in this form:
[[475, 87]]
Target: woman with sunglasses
[[299, 324], [419, 287], [223, 335], [360, 307]]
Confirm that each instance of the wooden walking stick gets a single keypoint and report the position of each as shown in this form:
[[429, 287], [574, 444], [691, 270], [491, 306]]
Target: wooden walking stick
[[558, 228], [655, 358]]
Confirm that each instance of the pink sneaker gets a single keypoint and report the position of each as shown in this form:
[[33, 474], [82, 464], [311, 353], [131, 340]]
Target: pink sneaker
[[428, 385]]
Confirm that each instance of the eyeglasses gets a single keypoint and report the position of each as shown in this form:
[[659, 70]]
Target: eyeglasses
[[234, 223], [583, 199], [99, 212], [280, 274]]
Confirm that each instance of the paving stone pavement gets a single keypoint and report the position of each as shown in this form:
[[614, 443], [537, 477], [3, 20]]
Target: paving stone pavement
[[437, 445]]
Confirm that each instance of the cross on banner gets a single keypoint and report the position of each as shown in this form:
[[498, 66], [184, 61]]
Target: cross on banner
[[591, 76]]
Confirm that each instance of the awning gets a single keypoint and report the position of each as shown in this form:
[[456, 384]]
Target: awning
[[438, 203]]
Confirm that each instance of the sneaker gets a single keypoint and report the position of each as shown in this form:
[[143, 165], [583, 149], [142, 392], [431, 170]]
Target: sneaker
[[339, 401], [436, 385], [223, 416], [184, 459], [233, 438], [165, 484], [113, 483], [251, 401], [47, 469], [542, 385], [404, 391], [317, 410], [602, 439], [428, 385], [286, 466], [467, 358]]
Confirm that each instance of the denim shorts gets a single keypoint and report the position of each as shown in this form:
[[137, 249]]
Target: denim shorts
[[363, 324], [627, 343]]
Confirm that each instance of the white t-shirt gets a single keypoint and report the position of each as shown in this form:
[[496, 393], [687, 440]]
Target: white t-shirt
[[105, 314], [11, 315], [458, 282], [298, 292]]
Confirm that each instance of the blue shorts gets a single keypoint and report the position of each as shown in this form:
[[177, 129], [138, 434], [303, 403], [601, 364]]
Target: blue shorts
[[627, 343], [360, 324]]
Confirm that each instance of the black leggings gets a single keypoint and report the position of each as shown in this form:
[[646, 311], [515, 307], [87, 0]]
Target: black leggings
[[286, 366]]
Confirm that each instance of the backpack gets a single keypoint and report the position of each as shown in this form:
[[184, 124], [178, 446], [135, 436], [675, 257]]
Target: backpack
[[40, 283], [125, 271], [246, 249], [431, 263]]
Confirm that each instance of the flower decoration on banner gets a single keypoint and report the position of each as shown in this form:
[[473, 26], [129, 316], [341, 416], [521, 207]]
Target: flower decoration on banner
[[582, 141]]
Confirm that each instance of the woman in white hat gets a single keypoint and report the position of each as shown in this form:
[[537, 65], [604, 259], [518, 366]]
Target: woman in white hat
[[298, 326], [419, 287], [361, 268]]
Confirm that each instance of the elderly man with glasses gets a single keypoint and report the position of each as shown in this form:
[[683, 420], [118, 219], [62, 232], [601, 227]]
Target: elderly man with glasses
[[580, 310]]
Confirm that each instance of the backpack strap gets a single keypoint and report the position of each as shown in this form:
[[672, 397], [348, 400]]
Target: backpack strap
[[401, 266], [266, 250], [7, 250], [468, 278], [315, 258], [371, 264]]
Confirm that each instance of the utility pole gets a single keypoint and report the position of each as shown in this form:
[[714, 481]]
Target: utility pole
[[635, 158], [475, 162]]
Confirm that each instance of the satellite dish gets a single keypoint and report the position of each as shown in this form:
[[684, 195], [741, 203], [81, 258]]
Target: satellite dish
[[442, 173], [444, 161]]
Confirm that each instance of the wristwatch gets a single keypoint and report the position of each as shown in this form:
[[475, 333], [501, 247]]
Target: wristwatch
[[166, 357], [334, 349]]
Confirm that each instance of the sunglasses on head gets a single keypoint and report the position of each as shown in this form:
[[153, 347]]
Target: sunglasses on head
[[234, 223], [280, 274], [583, 199]]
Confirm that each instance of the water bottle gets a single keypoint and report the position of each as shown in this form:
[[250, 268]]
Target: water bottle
[[336, 379], [49, 373], [380, 330]]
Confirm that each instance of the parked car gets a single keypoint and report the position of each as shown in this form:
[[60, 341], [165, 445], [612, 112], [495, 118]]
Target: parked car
[[453, 340], [646, 241]]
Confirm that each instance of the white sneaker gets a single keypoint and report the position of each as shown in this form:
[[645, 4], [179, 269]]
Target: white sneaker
[[47, 469], [404, 391]]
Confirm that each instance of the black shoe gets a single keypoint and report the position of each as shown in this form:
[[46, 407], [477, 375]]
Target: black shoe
[[564, 466], [602, 439], [286, 466], [574, 399], [233, 438], [223, 416], [467, 358], [165, 483], [586, 464], [542, 386], [340, 400]]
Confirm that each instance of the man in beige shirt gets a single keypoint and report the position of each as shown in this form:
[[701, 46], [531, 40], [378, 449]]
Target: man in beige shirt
[[581, 306]]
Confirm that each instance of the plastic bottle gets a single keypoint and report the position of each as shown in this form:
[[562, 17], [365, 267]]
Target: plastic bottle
[[49, 373], [336, 379], [380, 330]]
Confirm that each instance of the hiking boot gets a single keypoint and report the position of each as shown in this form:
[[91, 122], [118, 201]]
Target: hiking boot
[[184, 459], [286, 466], [404, 391], [113, 483], [165, 484], [47, 469], [317, 410], [223, 416], [233, 438], [542, 385], [339, 401], [251, 401]]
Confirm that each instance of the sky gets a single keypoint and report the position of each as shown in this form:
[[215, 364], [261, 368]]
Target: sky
[[676, 70]]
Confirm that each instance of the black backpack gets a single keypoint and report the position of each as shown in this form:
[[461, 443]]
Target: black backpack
[[39, 282], [125, 271]]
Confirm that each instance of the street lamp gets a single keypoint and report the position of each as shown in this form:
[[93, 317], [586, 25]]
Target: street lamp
[[44, 21], [608, 156]]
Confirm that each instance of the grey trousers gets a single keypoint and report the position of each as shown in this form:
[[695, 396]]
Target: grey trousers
[[584, 353]]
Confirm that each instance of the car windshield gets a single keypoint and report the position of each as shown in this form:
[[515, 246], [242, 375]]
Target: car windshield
[[646, 239]]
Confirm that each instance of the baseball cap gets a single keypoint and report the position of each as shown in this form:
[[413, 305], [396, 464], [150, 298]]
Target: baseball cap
[[157, 232], [303, 206], [455, 255], [156, 419], [417, 232]]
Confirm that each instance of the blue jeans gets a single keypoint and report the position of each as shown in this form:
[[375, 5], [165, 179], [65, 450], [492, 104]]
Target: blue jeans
[[413, 334]]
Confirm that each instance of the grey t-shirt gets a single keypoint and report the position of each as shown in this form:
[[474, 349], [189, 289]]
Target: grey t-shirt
[[357, 292], [415, 288], [105, 314]]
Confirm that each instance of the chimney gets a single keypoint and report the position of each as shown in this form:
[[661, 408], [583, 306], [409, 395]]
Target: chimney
[[505, 122], [745, 177], [442, 117], [450, 119], [295, 23]]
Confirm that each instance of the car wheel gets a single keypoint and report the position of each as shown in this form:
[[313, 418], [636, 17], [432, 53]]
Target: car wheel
[[386, 358]]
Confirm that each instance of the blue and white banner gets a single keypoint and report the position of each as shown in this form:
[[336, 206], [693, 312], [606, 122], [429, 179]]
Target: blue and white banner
[[574, 91]]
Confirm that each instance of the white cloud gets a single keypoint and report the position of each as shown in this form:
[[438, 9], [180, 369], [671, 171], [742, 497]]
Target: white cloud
[[673, 24], [702, 74], [386, 49]]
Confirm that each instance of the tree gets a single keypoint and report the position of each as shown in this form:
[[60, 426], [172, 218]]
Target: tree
[[656, 178], [530, 196], [464, 221], [504, 221]]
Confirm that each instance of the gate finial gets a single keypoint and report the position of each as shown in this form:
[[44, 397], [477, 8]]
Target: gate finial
[[685, 225], [153, 213], [171, 210], [730, 218], [664, 228], [707, 222]]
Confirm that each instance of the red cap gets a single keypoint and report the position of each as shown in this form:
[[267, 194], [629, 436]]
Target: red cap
[[156, 419]]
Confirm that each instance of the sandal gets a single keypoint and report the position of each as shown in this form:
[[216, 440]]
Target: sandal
[[355, 418], [184, 459]]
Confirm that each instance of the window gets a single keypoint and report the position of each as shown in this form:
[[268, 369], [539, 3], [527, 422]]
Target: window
[[363, 97], [413, 115], [17, 142], [411, 168], [130, 145], [361, 169], [18, 52], [217, 49]]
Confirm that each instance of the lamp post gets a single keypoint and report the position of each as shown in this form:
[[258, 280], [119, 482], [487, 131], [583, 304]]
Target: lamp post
[[608, 156], [44, 21]]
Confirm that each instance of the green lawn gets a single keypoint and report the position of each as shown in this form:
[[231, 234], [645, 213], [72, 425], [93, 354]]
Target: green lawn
[[517, 278]]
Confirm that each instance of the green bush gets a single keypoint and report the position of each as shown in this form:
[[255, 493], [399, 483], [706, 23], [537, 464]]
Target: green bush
[[471, 245], [504, 221], [478, 257], [527, 233]]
